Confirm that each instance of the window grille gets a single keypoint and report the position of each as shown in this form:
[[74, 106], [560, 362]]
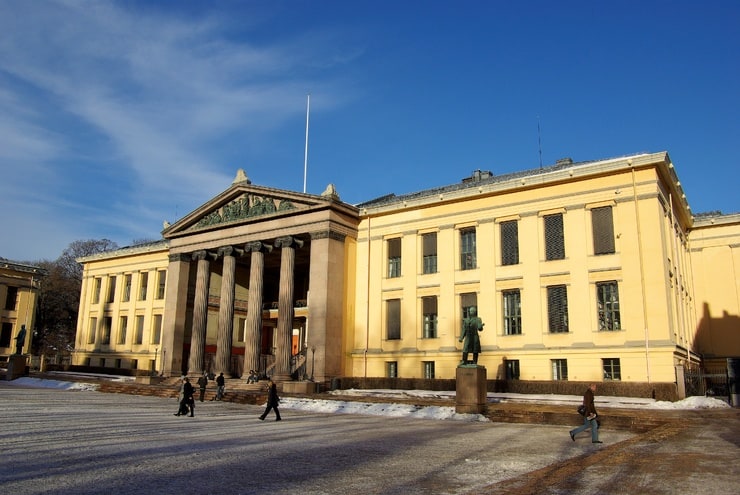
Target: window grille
[[559, 369], [510, 242], [429, 310], [394, 257], [607, 295], [393, 319], [603, 230], [429, 254], [512, 312], [554, 237], [557, 308], [467, 249], [612, 369]]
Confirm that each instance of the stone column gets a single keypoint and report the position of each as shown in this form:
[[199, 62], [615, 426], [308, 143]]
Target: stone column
[[175, 314], [254, 308], [200, 313], [226, 313], [285, 306]]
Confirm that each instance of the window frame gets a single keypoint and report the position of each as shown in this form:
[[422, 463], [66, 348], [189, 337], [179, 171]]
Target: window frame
[[393, 319], [394, 246], [429, 253], [554, 228], [608, 313], [602, 230], [559, 369], [509, 232], [612, 369], [512, 322], [468, 248], [429, 317], [557, 317]]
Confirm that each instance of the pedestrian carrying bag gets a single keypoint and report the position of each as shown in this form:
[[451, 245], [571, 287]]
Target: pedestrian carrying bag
[[582, 410]]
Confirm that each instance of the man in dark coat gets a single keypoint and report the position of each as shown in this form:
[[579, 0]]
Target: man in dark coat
[[220, 382], [589, 418], [187, 400], [202, 384], [471, 326], [272, 400]]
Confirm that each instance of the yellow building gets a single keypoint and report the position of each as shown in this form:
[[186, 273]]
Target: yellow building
[[19, 285], [580, 271]]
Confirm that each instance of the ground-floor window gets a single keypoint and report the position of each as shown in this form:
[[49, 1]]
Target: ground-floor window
[[612, 369], [512, 369], [428, 368], [391, 369], [559, 369]]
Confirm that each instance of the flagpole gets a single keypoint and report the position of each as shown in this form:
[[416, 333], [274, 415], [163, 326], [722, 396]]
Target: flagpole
[[305, 153]]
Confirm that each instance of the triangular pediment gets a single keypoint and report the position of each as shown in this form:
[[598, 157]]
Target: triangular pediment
[[243, 203]]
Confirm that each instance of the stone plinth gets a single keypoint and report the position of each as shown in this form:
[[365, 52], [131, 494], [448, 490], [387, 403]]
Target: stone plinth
[[300, 387], [16, 367], [470, 389]]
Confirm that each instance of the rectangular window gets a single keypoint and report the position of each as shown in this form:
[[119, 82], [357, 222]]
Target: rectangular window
[[512, 369], [429, 252], [97, 287], [134, 364], [91, 331], [554, 237], [428, 369], [122, 329], [5, 333], [557, 308], [510, 242], [111, 289], [559, 369], [139, 335], [603, 230], [607, 299], [156, 329], [394, 257], [391, 369], [512, 312], [467, 249], [429, 313], [612, 369], [11, 298], [105, 324], [143, 286], [161, 281], [126, 297], [393, 319]]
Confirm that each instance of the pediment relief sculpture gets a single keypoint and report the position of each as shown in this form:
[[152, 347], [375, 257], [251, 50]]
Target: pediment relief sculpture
[[246, 206]]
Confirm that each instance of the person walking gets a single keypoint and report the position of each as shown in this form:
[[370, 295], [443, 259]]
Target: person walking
[[589, 417], [187, 401], [220, 382], [272, 400], [202, 384]]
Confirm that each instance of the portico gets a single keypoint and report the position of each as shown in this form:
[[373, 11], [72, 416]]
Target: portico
[[256, 278]]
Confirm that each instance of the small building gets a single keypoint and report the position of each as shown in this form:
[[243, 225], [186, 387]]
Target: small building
[[585, 271]]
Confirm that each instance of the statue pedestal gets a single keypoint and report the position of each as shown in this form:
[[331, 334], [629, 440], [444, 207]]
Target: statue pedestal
[[16, 367], [470, 389]]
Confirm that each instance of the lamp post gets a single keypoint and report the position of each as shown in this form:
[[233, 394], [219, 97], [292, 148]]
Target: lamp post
[[313, 360]]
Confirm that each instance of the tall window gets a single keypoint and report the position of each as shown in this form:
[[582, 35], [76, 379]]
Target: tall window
[[429, 310], [11, 298], [161, 281], [105, 324], [510, 242], [156, 329], [612, 369], [429, 253], [7, 330], [554, 237], [559, 369], [97, 287], [391, 369], [139, 335], [428, 369], [557, 308], [603, 230], [512, 312], [394, 257], [393, 319], [122, 329], [92, 330], [512, 369], [111, 289], [143, 286], [467, 301], [607, 299], [467, 249], [126, 297]]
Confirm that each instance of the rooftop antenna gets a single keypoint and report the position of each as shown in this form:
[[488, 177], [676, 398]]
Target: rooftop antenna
[[539, 140], [305, 153]]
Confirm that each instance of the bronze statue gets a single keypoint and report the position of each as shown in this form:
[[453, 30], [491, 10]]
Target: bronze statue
[[20, 339], [471, 326]]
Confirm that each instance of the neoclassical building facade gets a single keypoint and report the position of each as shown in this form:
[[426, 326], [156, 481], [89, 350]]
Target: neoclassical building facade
[[580, 271], [19, 289]]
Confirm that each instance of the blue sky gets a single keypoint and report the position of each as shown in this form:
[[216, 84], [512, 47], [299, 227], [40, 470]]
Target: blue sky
[[116, 116]]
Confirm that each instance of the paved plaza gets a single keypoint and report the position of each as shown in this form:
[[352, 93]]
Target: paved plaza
[[83, 442]]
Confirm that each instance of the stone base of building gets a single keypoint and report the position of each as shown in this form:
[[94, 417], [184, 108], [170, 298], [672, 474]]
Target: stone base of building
[[149, 380], [16, 367], [470, 389], [300, 387]]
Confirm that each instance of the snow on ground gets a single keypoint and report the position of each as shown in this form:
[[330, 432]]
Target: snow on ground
[[426, 412]]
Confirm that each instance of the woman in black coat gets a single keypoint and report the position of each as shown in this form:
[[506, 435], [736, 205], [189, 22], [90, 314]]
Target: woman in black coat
[[272, 401]]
